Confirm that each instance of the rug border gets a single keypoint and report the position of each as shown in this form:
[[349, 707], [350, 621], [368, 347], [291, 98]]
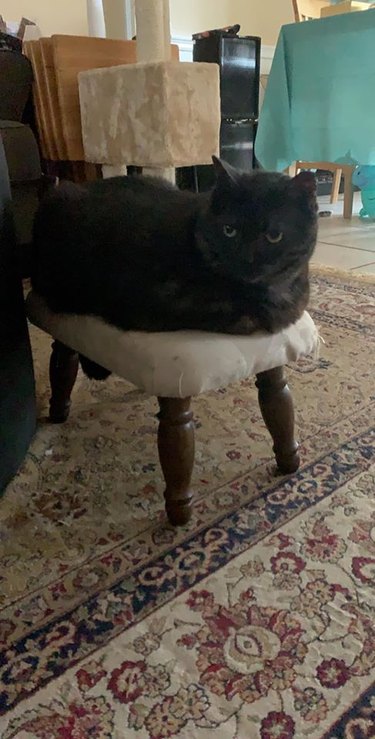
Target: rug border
[[321, 270], [140, 600]]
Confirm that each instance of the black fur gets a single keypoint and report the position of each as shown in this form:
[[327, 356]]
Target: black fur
[[145, 256]]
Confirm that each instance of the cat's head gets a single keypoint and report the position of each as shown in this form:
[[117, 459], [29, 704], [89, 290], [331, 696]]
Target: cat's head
[[258, 227]]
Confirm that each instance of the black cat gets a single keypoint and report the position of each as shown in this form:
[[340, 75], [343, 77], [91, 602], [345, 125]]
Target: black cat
[[145, 256]]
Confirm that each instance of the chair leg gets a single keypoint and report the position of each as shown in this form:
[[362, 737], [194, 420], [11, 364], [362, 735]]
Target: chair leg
[[63, 368], [276, 404], [337, 174], [348, 192], [292, 169], [176, 454]]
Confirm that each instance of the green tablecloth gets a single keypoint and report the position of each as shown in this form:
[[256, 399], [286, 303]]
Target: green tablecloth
[[320, 98]]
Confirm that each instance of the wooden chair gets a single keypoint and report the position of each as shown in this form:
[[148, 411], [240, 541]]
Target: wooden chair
[[57, 62], [46, 108], [52, 97], [338, 170], [74, 54], [32, 49], [306, 10]]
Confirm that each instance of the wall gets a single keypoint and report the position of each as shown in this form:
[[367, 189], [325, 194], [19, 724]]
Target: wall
[[257, 17], [263, 17], [53, 16], [190, 16]]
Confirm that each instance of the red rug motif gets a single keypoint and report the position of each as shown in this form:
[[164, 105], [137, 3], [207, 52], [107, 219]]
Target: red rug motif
[[255, 622]]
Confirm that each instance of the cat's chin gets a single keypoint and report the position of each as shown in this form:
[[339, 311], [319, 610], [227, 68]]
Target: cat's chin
[[262, 281], [223, 271], [283, 276], [215, 264]]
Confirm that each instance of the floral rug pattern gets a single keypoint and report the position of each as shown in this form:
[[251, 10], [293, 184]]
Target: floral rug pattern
[[255, 621]]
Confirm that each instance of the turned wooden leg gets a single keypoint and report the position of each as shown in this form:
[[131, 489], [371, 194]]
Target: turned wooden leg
[[336, 182], [176, 453], [63, 368], [276, 404], [348, 191]]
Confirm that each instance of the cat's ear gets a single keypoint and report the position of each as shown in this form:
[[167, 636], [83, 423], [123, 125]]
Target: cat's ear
[[304, 184], [225, 174]]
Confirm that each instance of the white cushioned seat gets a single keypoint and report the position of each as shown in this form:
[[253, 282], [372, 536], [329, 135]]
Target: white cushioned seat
[[175, 364]]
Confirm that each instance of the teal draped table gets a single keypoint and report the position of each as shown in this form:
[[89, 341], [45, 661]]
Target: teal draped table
[[320, 97]]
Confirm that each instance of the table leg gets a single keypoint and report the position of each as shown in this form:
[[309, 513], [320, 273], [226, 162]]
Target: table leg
[[348, 192]]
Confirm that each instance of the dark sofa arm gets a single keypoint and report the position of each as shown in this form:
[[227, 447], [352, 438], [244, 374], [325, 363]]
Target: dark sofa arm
[[17, 395]]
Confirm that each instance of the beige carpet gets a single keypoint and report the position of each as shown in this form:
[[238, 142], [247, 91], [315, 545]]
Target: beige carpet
[[255, 621]]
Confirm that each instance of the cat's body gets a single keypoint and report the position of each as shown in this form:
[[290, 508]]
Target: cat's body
[[145, 256]]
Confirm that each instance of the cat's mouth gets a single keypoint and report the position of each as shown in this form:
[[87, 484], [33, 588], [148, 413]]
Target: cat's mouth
[[215, 260]]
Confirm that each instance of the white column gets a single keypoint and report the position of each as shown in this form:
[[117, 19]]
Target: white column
[[153, 30], [108, 170], [95, 18], [154, 45], [118, 16]]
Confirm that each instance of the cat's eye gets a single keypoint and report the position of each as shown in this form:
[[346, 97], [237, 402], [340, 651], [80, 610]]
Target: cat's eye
[[230, 232], [274, 238]]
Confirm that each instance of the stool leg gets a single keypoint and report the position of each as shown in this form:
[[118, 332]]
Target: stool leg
[[176, 454], [63, 368], [276, 404]]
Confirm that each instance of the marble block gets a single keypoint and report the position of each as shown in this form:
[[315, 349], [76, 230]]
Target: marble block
[[160, 114]]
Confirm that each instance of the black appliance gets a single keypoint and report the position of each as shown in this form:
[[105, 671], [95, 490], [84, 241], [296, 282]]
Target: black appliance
[[239, 62]]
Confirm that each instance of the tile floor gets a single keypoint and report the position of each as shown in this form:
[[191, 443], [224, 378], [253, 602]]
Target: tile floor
[[347, 245]]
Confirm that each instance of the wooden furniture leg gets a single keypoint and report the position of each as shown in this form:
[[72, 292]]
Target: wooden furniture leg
[[292, 169], [63, 368], [176, 453], [348, 192], [276, 404], [337, 174], [347, 172]]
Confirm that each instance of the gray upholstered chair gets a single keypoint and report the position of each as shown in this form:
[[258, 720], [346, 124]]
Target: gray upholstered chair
[[17, 399]]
